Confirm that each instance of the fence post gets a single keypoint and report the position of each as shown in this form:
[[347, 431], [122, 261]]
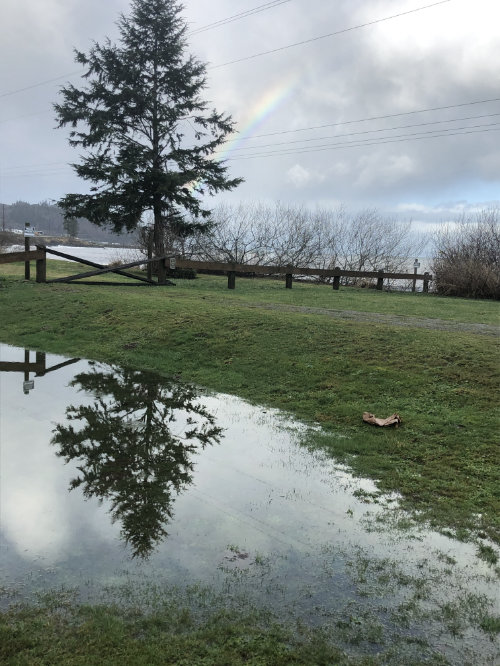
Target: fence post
[[41, 267], [231, 279], [41, 362], [289, 278], [26, 365], [149, 241], [416, 266], [380, 280], [336, 279], [427, 277], [26, 263]]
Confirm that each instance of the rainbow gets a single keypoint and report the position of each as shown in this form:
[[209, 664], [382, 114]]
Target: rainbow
[[261, 111]]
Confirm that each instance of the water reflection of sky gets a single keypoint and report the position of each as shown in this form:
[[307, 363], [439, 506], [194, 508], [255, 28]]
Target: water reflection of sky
[[258, 487], [258, 496]]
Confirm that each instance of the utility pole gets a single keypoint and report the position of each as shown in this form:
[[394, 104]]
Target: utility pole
[[29, 231], [3, 217]]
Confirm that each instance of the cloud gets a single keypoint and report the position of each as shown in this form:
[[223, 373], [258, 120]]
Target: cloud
[[299, 176], [337, 134], [382, 171]]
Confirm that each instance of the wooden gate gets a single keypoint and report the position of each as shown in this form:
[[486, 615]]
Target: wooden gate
[[102, 270]]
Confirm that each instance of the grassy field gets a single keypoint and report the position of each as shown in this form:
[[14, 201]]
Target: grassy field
[[443, 460], [444, 384], [94, 635]]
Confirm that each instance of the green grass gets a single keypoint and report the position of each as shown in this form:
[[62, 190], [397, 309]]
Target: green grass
[[88, 635], [80, 635], [198, 627], [363, 300], [443, 460], [263, 291]]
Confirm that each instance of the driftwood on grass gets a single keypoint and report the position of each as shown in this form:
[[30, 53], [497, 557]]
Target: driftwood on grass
[[393, 420]]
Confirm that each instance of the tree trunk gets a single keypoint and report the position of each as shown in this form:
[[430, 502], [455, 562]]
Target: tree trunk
[[150, 251], [159, 244]]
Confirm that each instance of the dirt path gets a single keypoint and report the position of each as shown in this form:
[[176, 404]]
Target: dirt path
[[390, 319]]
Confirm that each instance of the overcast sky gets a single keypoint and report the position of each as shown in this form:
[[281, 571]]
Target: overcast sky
[[355, 117]]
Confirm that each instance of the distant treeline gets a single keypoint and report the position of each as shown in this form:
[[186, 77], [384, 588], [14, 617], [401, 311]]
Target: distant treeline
[[49, 219]]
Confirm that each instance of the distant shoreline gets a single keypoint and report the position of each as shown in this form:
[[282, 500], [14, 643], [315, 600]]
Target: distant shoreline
[[10, 237]]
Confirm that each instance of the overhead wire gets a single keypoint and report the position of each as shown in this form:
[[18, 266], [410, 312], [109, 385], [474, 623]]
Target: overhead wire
[[275, 3], [210, 26], [433, 134], [40, 83], [330, 34], [256, 55], [325, 125], [42, 167], [237, 17], [371, 131], [384, 117], [28, 115], [36, 170]]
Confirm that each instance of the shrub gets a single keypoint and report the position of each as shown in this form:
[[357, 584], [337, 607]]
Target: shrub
[[467, 259]]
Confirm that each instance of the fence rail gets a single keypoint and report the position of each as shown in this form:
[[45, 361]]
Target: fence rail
[[232, 269], [11, 257], [40, 256], [27, 256]]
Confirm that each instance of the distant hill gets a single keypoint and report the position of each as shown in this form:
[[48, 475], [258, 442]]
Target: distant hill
[[47, 218]]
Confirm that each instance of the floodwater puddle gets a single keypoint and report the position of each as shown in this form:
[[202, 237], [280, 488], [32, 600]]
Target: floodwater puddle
[[115, 479]]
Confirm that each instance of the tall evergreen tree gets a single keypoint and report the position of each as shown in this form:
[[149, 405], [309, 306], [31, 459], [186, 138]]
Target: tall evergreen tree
[[149, 137]]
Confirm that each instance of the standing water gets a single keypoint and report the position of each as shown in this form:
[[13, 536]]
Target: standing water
[[99, 255], [114, 478]]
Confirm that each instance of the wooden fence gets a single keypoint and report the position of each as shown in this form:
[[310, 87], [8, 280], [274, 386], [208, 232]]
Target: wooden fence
[[38, 366], [40, 256], [27, 256], [231, 269]]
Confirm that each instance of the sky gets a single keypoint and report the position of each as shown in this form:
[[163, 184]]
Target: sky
[[386, 104]]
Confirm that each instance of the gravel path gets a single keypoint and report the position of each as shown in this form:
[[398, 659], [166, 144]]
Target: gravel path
[[390, 319]]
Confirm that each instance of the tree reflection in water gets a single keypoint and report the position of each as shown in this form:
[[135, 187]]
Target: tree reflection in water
[[126, 448]]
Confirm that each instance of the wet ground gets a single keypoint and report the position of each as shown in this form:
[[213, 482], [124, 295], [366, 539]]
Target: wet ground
[[120, 484]]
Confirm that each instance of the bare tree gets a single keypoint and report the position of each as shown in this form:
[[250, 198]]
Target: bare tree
[[256, 233], [328, 228], [286, 234], [371, 242], [299, 237], [239, 234]]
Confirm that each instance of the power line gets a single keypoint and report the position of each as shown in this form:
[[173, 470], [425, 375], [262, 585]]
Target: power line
[[237, 17], [41, 83], [324, 126], [256, 55], [364, 120], [35, 168], [434, 134], [28, 115], [370, 141], [380, 129], [32, 166], [38, 174], [210, 26], [330, 34]]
